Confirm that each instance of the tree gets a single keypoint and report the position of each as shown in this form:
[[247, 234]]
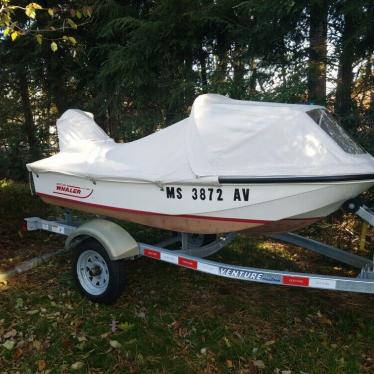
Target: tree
[[318, 13], [20, 18], [356, 44], [138, 65]]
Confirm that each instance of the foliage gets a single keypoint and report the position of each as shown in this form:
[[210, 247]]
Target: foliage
[[138, 65], [45, 22]]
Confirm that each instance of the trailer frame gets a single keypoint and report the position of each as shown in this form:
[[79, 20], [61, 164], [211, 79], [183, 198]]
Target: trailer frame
[[192, 255]]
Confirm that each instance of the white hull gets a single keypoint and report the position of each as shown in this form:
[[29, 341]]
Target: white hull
[[201, 208]]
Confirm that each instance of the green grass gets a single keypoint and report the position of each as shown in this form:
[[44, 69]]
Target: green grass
[[175, 320]]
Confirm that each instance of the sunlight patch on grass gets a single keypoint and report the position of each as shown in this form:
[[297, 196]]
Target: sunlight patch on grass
[[277, 249], [6, 183]]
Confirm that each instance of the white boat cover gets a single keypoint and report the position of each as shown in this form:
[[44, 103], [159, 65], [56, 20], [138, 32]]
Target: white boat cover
[[222, 137]]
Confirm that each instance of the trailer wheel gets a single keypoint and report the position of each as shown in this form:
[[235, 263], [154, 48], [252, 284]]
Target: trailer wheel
[[98, 277], [352, 206]]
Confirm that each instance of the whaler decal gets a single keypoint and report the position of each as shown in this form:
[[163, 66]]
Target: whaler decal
[[240, 274], [74, 191]]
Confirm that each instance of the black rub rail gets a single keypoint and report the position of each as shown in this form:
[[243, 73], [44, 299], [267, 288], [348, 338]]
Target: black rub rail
[[296, 179]]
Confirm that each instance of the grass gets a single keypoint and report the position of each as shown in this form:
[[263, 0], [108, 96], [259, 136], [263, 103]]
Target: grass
[[173, 320]]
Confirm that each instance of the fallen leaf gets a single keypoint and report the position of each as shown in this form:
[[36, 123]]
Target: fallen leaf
[[18, 353], [37, 345], [32, 312], [125, 326], [113, 325], [259, 364], [115, 344], [175, 325], [10, 334], [77, 365], [41, 365], [270, 342], [229, 364], [227, 342], [9, 344], [140, 315], [19, 303], [81, 346]]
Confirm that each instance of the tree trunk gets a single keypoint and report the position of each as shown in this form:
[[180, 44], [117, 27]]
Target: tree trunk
[[203, 73], [343, 101], [238, 65], [221, 55], [56, 84], [253, 78], [317, 51], [27, 113]]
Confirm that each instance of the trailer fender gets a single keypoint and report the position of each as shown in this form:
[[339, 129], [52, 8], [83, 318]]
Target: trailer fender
[[118, 243]]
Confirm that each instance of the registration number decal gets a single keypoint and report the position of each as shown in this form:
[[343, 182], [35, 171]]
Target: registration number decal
[[206, 193]]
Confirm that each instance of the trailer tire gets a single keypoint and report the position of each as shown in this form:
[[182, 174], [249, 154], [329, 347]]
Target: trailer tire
[[99, 278]]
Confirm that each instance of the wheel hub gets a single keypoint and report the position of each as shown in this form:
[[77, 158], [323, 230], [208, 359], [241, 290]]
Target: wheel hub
[[93, 272]]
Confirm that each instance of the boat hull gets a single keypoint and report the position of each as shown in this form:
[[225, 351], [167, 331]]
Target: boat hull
[[201, 208]]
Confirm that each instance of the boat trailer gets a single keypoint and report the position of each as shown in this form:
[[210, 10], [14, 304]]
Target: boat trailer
[[101, 245]]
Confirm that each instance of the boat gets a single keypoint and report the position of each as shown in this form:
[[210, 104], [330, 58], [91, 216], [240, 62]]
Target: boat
[[230, 166]]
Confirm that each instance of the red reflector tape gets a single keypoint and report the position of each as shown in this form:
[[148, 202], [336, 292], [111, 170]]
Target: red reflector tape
[[187, 263], [152, 253], [295, 281]]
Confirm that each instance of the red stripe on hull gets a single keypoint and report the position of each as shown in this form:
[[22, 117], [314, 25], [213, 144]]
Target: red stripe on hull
[[185, 222], [154, 213]]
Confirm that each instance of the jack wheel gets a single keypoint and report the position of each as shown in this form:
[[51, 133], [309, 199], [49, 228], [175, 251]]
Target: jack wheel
[[352, 206]]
